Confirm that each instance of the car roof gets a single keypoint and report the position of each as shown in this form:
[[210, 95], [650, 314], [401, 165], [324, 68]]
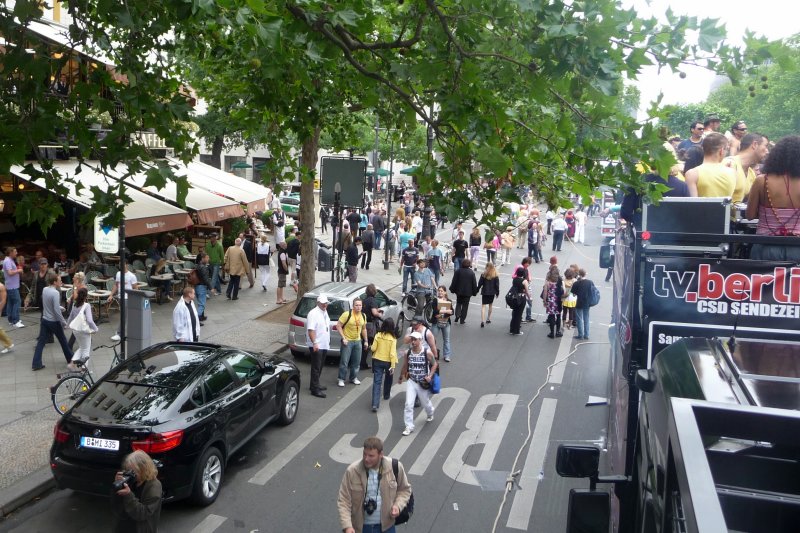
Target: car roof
[[339, 290]]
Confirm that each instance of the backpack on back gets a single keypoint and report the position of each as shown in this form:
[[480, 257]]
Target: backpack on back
[[594, 296]]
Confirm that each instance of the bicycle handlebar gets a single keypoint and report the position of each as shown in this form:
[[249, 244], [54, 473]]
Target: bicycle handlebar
[[112, 346]]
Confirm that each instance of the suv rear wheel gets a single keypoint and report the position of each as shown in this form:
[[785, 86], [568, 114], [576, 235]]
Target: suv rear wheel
[[208, 478]]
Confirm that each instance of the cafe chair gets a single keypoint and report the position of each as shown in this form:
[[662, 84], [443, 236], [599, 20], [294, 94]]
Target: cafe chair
[[115, 300], [138, 264], [189, 264], [111, 271], [93, 274]]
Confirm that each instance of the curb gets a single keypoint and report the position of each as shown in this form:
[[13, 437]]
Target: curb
[[26, 490]]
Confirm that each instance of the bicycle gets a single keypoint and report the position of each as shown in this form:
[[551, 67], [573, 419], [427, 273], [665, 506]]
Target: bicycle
[[409, 307], [74, 385], [447, 256], [341, 269]]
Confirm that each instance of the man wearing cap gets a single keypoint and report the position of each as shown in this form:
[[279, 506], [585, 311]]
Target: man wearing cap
[[418, 369], [711, 124], [318, 337]]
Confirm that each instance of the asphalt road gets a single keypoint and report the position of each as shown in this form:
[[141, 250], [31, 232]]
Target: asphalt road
[[499, 411]]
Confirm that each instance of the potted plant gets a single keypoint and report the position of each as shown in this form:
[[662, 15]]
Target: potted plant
[[98, 119]]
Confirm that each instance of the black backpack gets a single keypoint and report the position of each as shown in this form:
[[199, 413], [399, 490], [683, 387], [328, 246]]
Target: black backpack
[[514, 297], [408, 510]]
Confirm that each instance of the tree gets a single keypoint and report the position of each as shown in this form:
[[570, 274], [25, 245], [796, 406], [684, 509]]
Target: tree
[[514, 85]]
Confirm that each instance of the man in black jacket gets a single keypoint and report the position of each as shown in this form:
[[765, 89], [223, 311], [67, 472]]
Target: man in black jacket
[[464, 286], [367, 243], [351, 256], [354, 219], [378, 226]]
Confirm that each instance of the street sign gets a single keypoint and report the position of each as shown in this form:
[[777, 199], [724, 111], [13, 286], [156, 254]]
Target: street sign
[[106, 238]]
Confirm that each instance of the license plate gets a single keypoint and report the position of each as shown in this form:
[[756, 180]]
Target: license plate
[[99, 444]]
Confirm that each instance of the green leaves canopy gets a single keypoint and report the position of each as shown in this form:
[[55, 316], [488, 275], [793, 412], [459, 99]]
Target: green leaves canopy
[[516, 91]]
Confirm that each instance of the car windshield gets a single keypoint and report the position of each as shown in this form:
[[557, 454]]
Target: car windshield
[[290, 200], [168, 366], [127, 403], [307, 303]]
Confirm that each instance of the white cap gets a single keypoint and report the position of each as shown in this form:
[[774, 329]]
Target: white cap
[[322, 299], [416, 335]]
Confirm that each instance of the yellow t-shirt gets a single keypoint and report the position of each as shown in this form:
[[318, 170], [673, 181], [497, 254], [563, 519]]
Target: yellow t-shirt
[[384, 348], [352, 328], [744, 180], [714, 181]]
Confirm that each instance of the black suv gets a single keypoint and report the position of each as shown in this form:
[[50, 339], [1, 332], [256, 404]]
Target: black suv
[[190, 406]]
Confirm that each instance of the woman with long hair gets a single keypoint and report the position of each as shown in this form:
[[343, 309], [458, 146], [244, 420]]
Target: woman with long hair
[[474, 245], [78, 281], [138, 507], [384, 360], [551, 298], [492, 246], [84, 338], [489, 287], [443, 310]]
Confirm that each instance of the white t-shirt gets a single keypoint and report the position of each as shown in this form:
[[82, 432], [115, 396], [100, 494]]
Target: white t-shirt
[[319, 321], [130, 280], [417, 223]]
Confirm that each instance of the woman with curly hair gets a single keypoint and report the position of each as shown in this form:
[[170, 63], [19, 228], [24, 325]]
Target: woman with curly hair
[[775, 201]]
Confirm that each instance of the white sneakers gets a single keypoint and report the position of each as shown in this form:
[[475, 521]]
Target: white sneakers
[[430, 418], [19, 324], [6, 350], [341, 383], [115, 337], [407, 431], [356, 381]]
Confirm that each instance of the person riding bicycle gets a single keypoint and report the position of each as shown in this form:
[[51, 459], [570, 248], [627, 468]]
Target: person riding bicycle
[[424, 288]]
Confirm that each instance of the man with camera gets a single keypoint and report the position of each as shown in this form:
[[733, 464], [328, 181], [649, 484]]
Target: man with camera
[[374, 509], [136, 495]]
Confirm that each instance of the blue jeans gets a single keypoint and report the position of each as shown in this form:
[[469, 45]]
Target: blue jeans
[[380, 373], [377, 240], [47, 328], [376, 528], [350, 359], [408, 272], [201, 291], [436, 274], [582, 317], [528, 310], [445, 329], [215, 282], [13, 303], [456, 263]]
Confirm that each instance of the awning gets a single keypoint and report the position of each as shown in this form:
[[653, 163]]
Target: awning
[[381, 172], [58, 34], [210, 207], [409, 170], [144, 215], [253, 195]]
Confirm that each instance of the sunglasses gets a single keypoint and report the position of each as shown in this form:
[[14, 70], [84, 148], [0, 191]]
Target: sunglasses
[[741, 129], [700, 128]]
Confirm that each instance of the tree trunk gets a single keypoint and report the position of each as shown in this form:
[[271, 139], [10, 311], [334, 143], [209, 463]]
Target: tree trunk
[[216, 151], [308, 215]]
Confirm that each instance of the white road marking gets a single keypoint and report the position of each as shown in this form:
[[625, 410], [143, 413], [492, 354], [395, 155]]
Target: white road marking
[[209, 524], [557, 372], [480, 431], [424, 459], [290, 452], [522, 507]]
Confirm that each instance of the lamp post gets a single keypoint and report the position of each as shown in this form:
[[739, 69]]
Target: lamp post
[[426, 211], [337, 191], [388, 207]]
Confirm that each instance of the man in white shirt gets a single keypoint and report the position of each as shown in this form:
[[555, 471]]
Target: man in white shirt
[[185, 320], [279, 225], [130, 283], [559, 227], [416, 223], [318, 338], [172, 250], [580, 226]]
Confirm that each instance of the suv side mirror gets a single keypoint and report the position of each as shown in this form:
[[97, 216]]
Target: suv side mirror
[[577, 461], [645, 380]]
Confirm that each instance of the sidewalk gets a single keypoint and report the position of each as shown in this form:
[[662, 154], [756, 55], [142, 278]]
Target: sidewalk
[[27, 416]]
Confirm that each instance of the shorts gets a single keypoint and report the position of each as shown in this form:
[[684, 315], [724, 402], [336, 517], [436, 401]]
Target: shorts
[[281, 281]]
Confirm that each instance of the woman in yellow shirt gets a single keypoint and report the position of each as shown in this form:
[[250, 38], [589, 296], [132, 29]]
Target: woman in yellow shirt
[[384, 359]]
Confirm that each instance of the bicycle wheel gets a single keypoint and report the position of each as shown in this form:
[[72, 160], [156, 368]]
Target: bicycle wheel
[[427, 312], [409, 307], [68, 391]]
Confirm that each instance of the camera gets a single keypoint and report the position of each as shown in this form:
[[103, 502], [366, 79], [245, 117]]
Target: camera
[[370, 506], [128, 477]]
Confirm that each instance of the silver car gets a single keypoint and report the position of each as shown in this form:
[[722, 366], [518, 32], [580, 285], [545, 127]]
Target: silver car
[[341, 296]]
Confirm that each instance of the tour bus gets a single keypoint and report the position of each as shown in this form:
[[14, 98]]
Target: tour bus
[[704, 381]]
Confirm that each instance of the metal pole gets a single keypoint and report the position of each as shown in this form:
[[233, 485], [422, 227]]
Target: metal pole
[[426, 211], [376, 163], [388, 207], [337, 230], [123, 296]]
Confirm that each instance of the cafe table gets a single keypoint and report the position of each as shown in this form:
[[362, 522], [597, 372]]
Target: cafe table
[[99, 297]]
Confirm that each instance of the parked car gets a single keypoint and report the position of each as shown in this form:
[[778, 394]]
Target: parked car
[[190, 406], [291, 205], [341, 296]]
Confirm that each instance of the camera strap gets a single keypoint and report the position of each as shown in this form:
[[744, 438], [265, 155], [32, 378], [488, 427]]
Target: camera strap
[[378, 485]]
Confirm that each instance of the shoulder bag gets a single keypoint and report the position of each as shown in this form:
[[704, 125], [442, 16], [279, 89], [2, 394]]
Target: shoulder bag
[[79, 323]]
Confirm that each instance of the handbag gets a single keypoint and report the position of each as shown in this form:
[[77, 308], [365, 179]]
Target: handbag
[[436, 384], [79, 323], [408, 510]]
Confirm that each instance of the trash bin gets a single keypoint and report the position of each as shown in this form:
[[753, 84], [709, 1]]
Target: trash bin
[[324, 260]]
